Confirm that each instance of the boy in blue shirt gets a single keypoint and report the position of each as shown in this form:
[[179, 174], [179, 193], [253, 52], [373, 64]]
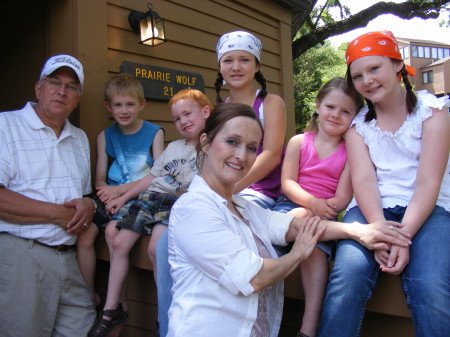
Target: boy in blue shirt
[[125, 154], [170, 176]]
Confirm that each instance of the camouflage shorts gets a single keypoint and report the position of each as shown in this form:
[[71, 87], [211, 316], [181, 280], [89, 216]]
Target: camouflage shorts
[[142, 214]]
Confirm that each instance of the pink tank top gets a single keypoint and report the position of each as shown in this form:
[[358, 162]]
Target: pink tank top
[[317, 176]]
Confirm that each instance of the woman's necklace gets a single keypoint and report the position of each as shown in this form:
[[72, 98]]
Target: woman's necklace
[[232, 207]]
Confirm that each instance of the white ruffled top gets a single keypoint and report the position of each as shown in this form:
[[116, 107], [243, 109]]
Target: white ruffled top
[[396, 154]]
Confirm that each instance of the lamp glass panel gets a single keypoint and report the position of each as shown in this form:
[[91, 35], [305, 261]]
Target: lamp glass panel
[[146, 29], [159, 28], [152, 30]]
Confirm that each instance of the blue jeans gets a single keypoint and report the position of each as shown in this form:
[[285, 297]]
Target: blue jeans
[[284, 205], [425, 280], [257, 200], [164, 283]]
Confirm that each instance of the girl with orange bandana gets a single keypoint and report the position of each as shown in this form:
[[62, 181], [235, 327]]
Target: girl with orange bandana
[[398, 148]]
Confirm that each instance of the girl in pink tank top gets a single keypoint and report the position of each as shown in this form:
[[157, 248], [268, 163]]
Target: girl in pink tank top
[[315, 180]]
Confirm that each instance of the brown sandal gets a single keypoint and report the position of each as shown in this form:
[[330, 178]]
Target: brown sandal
[[102, 327]]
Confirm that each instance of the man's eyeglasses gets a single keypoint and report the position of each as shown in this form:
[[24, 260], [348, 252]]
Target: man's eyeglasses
[[55, 84]]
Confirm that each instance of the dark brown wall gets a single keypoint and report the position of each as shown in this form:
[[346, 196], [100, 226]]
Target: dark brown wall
[[193, 28], [23, 50]]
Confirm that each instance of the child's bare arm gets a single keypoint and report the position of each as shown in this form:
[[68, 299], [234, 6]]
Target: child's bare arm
[[344, 191], [139, 186], [101, 170], [289, 174], [158, 144], [109, 192], [364, 180], [274, 134]]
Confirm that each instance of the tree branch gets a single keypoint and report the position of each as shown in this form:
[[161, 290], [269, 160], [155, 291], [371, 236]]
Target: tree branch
[[299, 17], [406, 10]]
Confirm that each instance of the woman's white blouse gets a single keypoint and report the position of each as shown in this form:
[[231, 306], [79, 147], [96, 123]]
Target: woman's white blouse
[[213, 257], [396, 154]]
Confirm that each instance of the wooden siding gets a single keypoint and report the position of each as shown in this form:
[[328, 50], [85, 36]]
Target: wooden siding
[[98, 34], [193, 28]]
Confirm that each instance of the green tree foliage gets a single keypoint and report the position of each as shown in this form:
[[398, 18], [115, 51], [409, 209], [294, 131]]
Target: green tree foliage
[[311, 70]]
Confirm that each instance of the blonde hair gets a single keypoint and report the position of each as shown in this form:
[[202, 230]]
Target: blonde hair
[[124, 84], [193, 94]]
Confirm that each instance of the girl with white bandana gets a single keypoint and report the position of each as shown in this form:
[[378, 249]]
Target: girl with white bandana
[[239, 57]]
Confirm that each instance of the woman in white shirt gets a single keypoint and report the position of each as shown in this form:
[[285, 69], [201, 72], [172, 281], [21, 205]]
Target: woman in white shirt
[[226, 273]]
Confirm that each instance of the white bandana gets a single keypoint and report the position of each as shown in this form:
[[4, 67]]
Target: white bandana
[[239, 40]]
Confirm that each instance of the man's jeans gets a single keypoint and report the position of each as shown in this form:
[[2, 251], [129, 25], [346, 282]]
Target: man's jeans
[[164, 283]]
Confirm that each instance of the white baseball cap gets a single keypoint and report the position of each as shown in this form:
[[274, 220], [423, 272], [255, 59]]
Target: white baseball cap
[[58, 61]]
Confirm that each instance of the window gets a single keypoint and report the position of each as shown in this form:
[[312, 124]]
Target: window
[[427, 77], [434, 52], [426, 52], [421, 51], [405, 52]]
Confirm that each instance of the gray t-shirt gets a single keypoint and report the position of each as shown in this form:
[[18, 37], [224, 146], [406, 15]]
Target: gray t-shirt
[[174, 169]]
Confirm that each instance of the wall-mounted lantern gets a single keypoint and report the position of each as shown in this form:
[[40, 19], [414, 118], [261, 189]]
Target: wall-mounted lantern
[[150, 25]]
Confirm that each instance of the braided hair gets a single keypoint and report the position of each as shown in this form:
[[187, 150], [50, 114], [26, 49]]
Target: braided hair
[[411, 98]]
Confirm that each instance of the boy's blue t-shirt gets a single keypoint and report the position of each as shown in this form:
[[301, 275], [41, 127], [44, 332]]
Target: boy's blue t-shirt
[[131, 155]]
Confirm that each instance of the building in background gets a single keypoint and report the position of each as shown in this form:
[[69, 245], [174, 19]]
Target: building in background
[[432, 63]]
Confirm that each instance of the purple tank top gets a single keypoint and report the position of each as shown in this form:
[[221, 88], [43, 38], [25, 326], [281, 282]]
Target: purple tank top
[[271, 184]]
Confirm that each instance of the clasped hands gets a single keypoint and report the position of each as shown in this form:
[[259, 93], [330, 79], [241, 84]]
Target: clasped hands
[[392, 257], [79, 214]]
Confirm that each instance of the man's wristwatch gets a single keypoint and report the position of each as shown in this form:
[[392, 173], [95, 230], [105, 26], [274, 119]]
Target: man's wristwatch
[[95, 206]]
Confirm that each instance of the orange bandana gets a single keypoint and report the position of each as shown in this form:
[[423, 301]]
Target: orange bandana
[[382, 43]]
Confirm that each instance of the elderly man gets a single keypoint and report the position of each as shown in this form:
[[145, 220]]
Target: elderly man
[[44, 173]]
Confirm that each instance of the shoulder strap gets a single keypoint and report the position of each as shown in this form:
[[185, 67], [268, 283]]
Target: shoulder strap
[[257, 105]]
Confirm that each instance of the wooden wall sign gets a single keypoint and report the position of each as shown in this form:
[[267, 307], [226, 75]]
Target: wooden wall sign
[[160, 83]]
